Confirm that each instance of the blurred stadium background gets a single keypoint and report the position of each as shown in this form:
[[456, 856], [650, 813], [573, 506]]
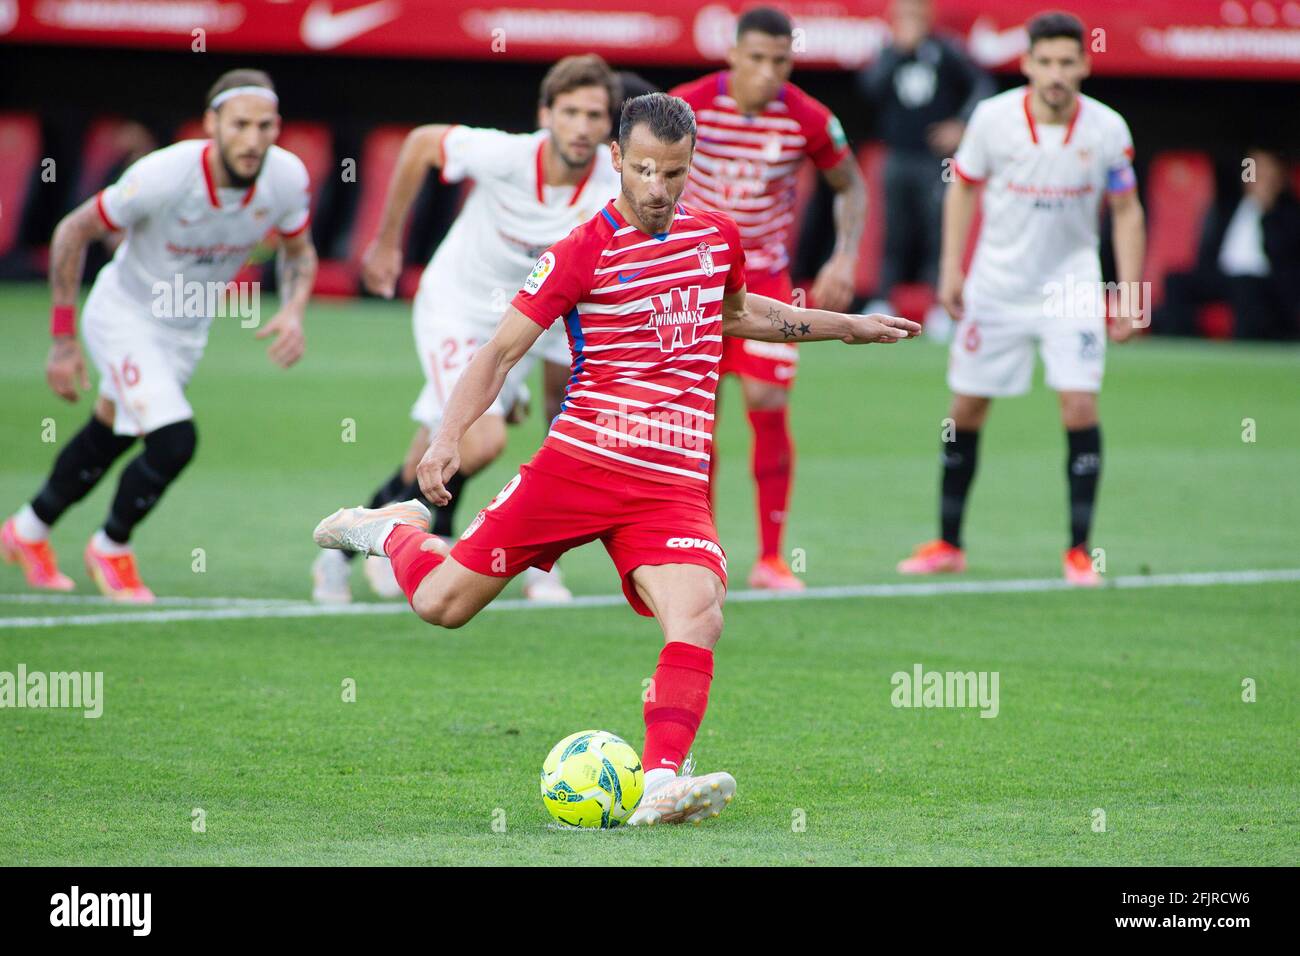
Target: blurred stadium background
[[227, 698], [92, 85]]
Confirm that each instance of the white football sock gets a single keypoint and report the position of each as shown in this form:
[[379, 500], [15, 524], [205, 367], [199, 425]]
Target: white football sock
[[106, 545], [656, 778], [30, 527]]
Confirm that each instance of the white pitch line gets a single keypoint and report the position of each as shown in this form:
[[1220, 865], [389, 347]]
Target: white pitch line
[[99, 601], [247, 608]]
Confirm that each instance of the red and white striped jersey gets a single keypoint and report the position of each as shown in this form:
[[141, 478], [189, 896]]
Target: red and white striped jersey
[[747, 165], [644, 318]]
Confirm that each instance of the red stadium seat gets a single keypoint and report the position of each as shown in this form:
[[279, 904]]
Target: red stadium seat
[[20, 154], [1180, 189], [871, 160], [313, 143], [110, 141], [190, 129], [378, 160]]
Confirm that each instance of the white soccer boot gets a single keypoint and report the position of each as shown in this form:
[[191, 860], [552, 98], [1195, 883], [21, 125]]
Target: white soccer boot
[[546, 587], [364, 530], [379, 573], [330, 574], [685, 799]]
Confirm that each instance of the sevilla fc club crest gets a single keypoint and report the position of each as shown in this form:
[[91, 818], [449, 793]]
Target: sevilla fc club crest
[[706, 258], [675, 317]]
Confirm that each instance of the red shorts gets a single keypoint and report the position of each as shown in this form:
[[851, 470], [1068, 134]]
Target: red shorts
[[774, 362], [558, 502]]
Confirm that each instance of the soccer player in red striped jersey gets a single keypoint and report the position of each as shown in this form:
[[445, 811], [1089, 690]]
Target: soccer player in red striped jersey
[[647, 290], [755, 130]]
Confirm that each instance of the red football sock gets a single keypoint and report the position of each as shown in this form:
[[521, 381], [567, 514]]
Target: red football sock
[[773, 465], [410, 564], [680, 696]]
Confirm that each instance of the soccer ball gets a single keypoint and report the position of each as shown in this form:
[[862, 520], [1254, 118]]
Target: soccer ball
[[592, 779]]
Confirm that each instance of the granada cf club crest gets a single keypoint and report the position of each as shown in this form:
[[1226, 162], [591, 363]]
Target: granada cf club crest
[[675, 317], [706, 258]]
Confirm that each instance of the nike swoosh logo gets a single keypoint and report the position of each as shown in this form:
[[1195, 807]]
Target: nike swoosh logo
[[990, 46], [323, 29], [630, 276]]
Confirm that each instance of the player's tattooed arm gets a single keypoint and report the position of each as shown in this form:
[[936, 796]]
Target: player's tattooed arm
[[833, 288], [65, 366], [758, 317], [296, 272], [77, 230], [382, 262]]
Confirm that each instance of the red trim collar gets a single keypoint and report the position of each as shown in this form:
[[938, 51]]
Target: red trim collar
[[541, 196], [1069, 129], [541, 178], [1029, 118], [212, 186]]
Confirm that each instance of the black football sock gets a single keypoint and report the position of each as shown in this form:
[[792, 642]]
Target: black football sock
[[167, 451], [78, 468], [442, 517], [958, 460], [389, 491], [1083, 468]]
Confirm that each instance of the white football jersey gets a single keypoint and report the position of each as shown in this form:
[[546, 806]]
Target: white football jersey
[[509, 219], [1042, 199], [179, 224]]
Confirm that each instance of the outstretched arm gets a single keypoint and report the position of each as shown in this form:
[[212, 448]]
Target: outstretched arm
[[771, 320], [65, 369], [382, 263], [474, 394], [296, 274]]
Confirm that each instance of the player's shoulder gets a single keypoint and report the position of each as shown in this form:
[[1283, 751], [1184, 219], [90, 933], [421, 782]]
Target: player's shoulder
[[1009, 104], [700, 91], [184, 156], [587, 239], [167, 171], [712, 217], [286, 167], [1101, 115], [803, 106]]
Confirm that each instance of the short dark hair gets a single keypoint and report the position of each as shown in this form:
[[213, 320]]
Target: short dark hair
[[767, 20], [575, 72], [236, 78], [669, 118], [1054, 25]]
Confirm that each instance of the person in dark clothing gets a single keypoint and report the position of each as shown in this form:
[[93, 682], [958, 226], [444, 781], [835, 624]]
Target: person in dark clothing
[[1249, 257], [924, 88]]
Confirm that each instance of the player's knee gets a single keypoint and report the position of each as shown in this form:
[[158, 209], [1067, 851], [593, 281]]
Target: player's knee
[[440, 609], [170, 448], [705, 627], [1078, 409], [968, 412]]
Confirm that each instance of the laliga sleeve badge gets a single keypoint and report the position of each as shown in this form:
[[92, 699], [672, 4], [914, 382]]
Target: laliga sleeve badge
[[540, 271]]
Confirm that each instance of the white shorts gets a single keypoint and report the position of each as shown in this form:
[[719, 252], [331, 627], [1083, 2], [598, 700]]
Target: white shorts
[[143, 365], [446, 340], [995, 358]]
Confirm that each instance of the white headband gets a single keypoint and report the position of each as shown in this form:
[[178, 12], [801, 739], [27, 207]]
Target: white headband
[[261, 91]]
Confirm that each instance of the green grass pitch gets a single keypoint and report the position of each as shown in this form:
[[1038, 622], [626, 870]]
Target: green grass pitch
[[1122, 701]]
